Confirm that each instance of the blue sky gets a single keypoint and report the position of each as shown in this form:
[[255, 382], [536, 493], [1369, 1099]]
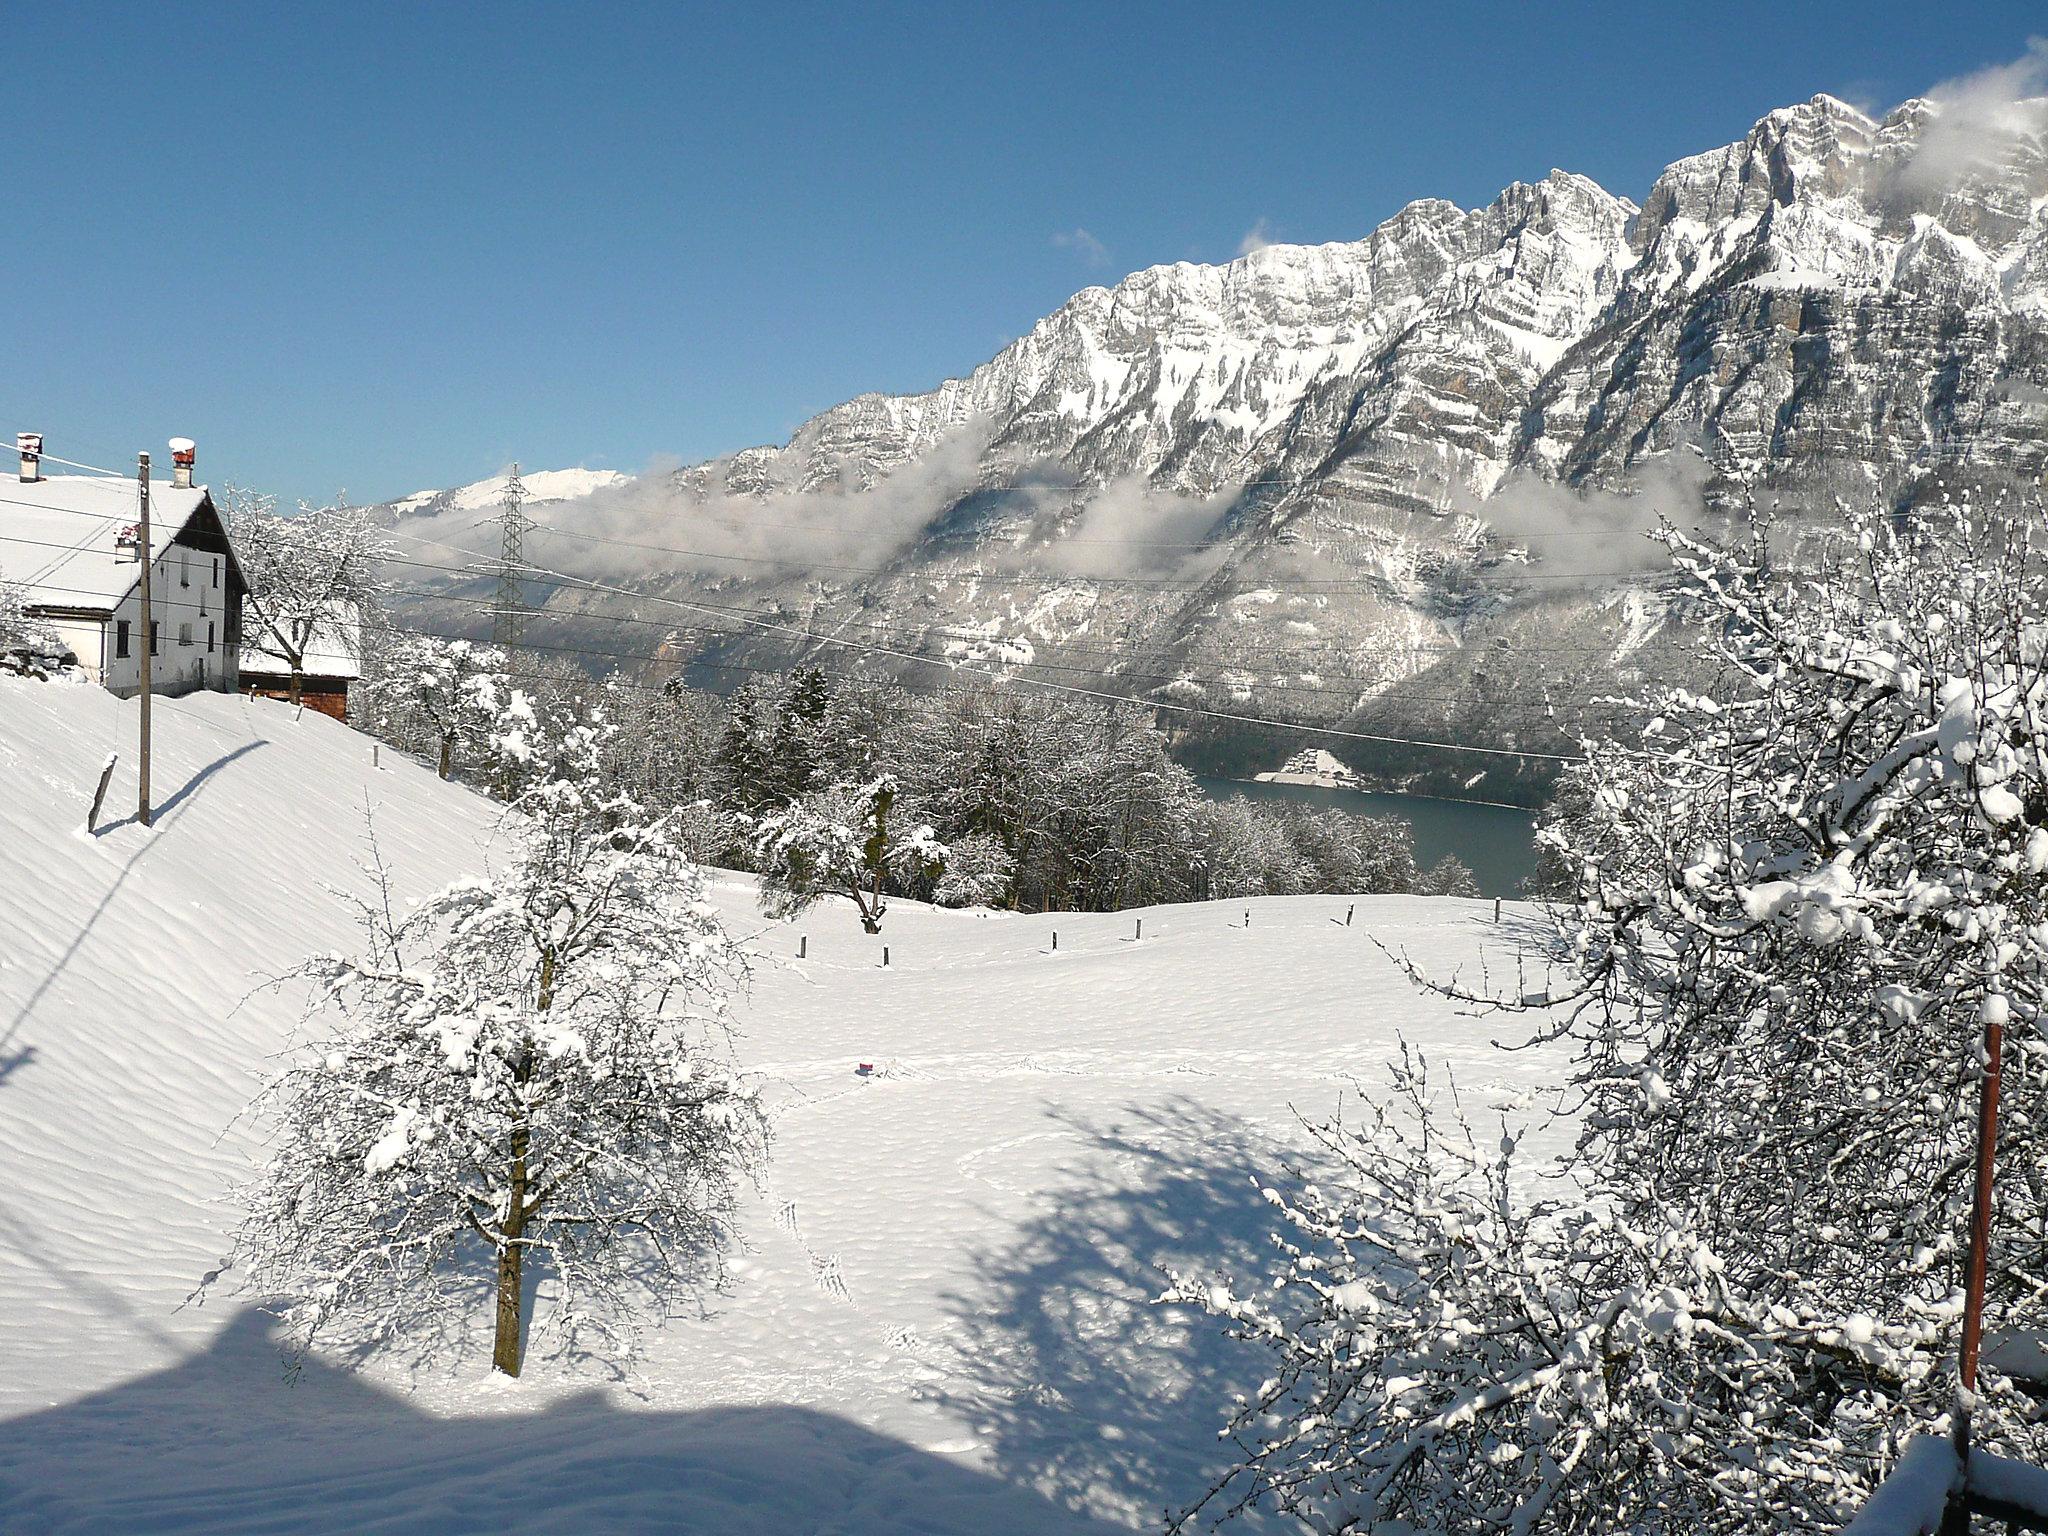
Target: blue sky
[[391, 247]]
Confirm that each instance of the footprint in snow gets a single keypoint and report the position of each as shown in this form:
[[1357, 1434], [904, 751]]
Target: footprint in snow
[[825, 1271]]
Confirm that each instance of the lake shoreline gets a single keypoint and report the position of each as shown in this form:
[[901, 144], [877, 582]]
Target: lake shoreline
[[1324, 781], [1496, 842]]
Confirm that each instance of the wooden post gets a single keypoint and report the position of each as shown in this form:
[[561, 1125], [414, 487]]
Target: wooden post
[[1055, 941], [885, 955], [1496, 909], [1141, 930], [803, 946], [1992, 1014], [1247, 917], [373, 754], [99, 796], [1347, 914], [143, 813]]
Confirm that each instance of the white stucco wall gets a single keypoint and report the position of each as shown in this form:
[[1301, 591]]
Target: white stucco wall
[[187, 589]]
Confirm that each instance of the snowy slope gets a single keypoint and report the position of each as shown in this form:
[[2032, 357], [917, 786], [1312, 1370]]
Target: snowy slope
[[943, 1323]]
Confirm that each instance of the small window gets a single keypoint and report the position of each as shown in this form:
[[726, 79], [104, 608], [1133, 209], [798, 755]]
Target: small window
[[184, 567], [156, 638], [216, 573], [184, 634], [209, 651], [121, 638]]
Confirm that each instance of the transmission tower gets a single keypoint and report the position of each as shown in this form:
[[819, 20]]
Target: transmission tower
[[508, 618]]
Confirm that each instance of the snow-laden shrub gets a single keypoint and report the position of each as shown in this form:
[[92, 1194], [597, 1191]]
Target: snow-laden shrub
[[1797, 895], [28, 646]]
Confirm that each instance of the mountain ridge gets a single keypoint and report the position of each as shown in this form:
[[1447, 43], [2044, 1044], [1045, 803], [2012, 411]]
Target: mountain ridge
[[1342, 481]]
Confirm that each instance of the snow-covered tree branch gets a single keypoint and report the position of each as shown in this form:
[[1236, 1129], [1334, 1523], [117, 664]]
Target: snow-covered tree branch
[[838, 842], [28, 646], [313, 576], [434, 697], [1797, 894]]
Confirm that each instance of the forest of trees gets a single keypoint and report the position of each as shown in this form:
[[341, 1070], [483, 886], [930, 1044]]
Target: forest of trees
[[1038, 801]]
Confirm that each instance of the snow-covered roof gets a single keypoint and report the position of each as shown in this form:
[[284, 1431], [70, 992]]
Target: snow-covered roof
[[58, 535], [333, 650]]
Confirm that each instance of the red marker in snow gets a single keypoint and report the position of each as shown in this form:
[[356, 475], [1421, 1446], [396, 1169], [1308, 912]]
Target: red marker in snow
[[865, 1069]]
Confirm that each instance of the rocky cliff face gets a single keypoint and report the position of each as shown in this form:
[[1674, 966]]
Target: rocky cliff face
[[1391, 481]]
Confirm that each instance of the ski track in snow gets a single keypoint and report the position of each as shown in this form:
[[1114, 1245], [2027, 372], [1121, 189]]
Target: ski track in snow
[[943, 1320]]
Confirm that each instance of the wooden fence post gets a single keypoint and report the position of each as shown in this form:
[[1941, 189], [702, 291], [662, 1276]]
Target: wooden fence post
[[99, 796]]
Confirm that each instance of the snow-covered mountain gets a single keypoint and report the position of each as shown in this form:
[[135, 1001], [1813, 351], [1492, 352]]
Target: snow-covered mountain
[[542, 486], [1264, 482], [1830, 285]]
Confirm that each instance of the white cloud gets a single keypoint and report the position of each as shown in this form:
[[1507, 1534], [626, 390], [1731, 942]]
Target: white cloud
[[1257, 238], [1981, 115], [1083, 244], [1592, 534]]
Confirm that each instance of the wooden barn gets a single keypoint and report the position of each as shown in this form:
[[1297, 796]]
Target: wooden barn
[[333, 661]]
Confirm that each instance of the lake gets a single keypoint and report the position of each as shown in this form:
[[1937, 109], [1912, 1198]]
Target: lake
[[1496, 841]]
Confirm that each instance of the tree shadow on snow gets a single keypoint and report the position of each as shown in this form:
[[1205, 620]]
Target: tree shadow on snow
[[1084, 1387], [222, 1443]]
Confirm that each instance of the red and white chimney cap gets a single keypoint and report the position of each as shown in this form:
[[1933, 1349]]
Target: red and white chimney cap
[[183, 450]]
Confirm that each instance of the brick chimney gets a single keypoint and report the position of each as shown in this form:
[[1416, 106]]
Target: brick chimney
[[31, 446], [183, 453]]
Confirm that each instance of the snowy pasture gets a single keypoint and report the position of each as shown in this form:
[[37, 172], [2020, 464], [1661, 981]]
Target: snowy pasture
[[944, 1318]]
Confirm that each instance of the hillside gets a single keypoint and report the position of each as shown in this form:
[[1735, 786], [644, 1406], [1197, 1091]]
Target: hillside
[[1399, 481], [943, 1324]]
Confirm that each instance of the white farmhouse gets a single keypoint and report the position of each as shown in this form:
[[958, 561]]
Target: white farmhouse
[[70, 540]]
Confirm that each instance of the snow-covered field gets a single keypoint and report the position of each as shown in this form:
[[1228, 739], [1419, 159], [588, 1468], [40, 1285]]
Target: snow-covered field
[[943, 1323]]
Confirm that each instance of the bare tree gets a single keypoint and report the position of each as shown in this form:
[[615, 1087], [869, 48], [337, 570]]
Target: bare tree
[[313, 576]]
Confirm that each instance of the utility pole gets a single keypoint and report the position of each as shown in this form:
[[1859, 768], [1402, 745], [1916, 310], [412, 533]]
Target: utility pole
[[508, 621], [143, 813]]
